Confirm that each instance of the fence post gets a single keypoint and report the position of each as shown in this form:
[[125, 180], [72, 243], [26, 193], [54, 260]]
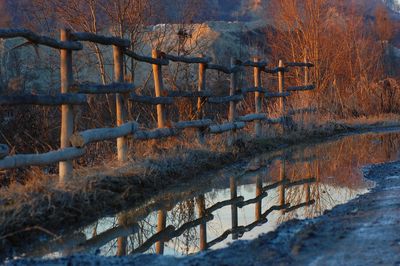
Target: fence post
[[119, 100], [282, 100], [258, 97], [306, 72], [161, 223], [67, 115], [232, 105], [158, 87], [200, 100], [201, 204]]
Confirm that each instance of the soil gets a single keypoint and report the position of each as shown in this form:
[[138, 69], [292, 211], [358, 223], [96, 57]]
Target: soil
[[365, 231]]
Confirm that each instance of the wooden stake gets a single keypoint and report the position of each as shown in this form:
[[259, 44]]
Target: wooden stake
[[67, 115], [200, 100], [232, 104], [119, 99], [307, 81], [258, 97], [282, 100], [158, 87], [306, 73]]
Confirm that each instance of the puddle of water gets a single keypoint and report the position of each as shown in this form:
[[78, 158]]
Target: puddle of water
[[241, 204]]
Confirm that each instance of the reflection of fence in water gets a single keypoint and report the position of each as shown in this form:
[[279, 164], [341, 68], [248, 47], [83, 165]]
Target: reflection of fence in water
[[119, 236], [327, 159], [166, 234], [293, 167], [205, 215]]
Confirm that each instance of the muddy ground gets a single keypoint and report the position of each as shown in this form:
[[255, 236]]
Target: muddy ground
[[365, 231]]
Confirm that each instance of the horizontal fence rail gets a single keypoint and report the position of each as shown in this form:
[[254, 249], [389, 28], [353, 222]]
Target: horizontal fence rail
[[38, 39], [73, 143]]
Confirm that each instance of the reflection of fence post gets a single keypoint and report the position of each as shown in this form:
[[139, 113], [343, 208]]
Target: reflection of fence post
[[122, 240], [234, 210], [258, 193], [258, 97], [307, 186], [161, 223], [119, 100], [308, 192], [200, 100], [282, 178], [201, 203], [282, 100], [232, 104], [67, 115], [158, 87]]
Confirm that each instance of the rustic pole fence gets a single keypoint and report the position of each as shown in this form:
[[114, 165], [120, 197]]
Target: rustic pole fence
[[67, 115], [72, 144]]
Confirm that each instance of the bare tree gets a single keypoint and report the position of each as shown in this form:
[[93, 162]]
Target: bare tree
[[336, 38]]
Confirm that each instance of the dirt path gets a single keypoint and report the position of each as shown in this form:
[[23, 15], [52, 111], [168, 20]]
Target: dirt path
[[366, 231]]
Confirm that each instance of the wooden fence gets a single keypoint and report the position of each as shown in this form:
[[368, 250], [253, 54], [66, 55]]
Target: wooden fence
[[73, 144]]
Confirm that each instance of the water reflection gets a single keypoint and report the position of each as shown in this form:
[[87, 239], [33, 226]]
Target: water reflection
[[268, 190]]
